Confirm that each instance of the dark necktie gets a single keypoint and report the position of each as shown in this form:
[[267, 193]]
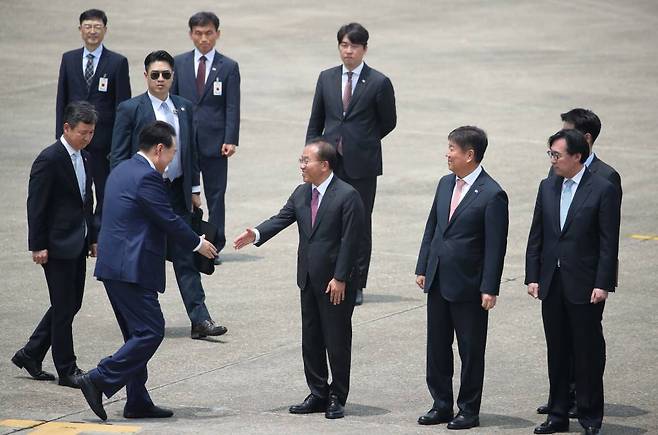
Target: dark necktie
[[315, 199], [89, 69], [201, 76], [347, 96]]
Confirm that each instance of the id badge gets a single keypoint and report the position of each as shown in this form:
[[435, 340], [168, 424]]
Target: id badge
[[102, 84], [217, 88]]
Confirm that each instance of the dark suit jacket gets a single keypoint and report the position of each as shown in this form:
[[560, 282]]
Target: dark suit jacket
[[586, 247], [56, 213], [369, 118], [71, 86], [134, 114], [602, 169], [328, 249], [216, 117], [465, 255], [137, 219]]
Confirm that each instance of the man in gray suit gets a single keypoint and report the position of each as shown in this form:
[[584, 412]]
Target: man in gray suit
[[329, 215], [211, 81], [355, 125]]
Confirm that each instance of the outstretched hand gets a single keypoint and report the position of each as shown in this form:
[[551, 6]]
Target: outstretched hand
[[246, 238]]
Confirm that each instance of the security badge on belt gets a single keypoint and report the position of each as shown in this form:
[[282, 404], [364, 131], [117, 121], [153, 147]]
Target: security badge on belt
[[102, 83]]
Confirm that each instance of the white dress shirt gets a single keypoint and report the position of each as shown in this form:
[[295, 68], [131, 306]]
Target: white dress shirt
[[210, 56], [469, 180]]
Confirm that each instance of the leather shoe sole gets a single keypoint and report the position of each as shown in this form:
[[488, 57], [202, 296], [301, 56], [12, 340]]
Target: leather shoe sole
[[93, 396], [155, 412], [21, 360]]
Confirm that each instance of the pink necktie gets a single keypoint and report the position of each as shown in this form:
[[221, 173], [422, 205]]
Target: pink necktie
[[314, 205], [456, 195]]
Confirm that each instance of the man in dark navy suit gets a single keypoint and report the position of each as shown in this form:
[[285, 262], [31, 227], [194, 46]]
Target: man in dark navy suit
[[181, 175], [460, 264], [61, 235], [136, 226], [212, 82], [95, 74]]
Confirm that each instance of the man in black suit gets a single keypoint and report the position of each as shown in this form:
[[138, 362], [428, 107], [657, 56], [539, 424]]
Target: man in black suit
[[459, 267], [61, 235], [95, 74], [571, 263], [212, 82], [330, 216], [181, 175], [355, 124], [589, 124]]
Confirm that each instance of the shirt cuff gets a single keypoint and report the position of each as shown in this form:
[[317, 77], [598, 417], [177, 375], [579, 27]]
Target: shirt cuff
[[196, 189], [199, 245], [257, 235]]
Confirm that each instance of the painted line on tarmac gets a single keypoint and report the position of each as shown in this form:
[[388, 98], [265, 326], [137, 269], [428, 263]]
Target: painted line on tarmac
[[643, 237], [42, 427]]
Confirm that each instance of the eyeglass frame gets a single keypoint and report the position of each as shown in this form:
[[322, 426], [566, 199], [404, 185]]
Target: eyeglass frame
[[304, 162], [164, 74], [553, 155]]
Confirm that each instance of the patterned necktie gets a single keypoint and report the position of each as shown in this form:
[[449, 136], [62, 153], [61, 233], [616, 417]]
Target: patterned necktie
[[457, 194], [79, 168], [201, 76], [173, 170], [565, 200], [89, 69], [315, 199]]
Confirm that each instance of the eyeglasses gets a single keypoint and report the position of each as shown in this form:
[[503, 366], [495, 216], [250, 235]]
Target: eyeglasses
[[553, 155], [96, 27], [305, 161], [156, 74]]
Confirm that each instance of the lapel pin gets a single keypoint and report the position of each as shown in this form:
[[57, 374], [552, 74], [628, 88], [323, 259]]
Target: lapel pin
[[363, 80], [182, 109], [214, 69], [476, 191]]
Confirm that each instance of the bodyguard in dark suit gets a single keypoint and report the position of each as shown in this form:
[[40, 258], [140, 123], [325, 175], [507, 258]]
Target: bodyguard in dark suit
[[212, 82], [571, 263], [61, 235], [181, 175], [136, 225], [459, 267], [589, 124], [95, 74], [329, 215], [354, 109]]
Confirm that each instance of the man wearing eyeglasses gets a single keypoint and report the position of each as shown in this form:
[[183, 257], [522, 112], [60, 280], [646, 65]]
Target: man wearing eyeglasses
[[354, 109], [181, 175], [330, 217], [95, 74], [571, 261]]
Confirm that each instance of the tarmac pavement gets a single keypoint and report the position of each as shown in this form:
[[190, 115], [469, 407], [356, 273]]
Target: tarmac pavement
[[510, 67]]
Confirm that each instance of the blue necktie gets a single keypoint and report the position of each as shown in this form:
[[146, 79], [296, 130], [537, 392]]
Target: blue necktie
[[565, 200], [173, 170], [79, 168]]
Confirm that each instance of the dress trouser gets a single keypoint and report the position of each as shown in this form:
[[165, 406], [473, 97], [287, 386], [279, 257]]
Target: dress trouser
[[140, 319], [66, 284], [579, 326], [187, 275], [467, 320], [327, 333], [367, 188], [215, 171]]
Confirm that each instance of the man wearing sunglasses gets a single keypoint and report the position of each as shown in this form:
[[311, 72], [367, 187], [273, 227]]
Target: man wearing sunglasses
[[181, 175]]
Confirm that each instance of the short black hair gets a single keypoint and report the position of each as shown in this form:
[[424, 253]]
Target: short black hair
[[576, 142], [155, 133], [203, 19], [355, 32], [326, 152], [158, 56], [469, 137], [93, 14], [583, 120], [80, 111]]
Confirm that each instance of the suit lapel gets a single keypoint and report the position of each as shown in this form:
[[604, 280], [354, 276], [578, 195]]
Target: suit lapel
[[443, 203], [472, 193], [69, 171], [304, 218], [182, 128], [557, 194], [216, 65], [88, 179], [327, 199], [359, 89], [338, 85], [102, 63], [582, 192]]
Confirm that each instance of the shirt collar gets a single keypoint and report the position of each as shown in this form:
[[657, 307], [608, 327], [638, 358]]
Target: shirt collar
[[470, 178], [322, 188], [147, 159], [576, 178], [156, 102], [97, 53], [356, 71], [589, 160], [68, 147], [209, 56]]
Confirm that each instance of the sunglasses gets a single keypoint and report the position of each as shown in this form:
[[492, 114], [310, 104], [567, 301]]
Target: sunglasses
[[156, 74]]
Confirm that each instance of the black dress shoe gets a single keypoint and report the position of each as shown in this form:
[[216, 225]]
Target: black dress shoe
[[72, 380], [573, 411], [207, 328], [543, 409], [93, 396], [334, 409], [592, 430], [435, 416], [153, 412], [552, 426], [359, 297], [311, 404], [33, 367], [463, 421], [217, 261]]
